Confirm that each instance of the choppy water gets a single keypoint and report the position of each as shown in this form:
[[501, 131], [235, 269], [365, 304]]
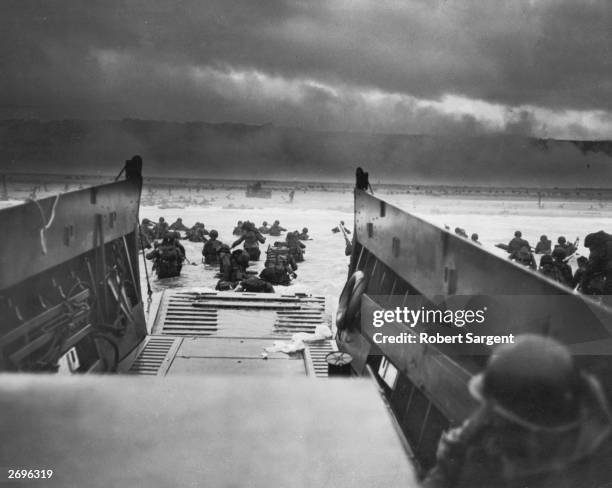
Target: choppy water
[[323, 271], [325, 268]]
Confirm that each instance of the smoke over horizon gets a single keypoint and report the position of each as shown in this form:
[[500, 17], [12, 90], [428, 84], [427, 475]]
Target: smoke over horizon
[[204, 150]]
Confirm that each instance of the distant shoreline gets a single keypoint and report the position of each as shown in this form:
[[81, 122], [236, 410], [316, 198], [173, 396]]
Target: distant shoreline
[[17, 180]]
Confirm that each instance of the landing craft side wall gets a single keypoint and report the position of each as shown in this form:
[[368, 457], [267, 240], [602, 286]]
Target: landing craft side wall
[[438, 264], [80, 221], [69, 279], [403, 256]]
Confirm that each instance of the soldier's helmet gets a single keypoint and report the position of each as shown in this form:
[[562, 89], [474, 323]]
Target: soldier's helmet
[[474, 237], [561, 240], [305, 230], [264, 223], [223, 248], [213, 234], [543, 237], [532, 382], [597, 239], [276, 222], [518, 233]]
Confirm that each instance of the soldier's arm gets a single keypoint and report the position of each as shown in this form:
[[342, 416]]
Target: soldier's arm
[[260, 238], [452, 449], [237, 242]]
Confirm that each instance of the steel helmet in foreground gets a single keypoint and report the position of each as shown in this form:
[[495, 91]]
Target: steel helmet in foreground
[[532, 382]]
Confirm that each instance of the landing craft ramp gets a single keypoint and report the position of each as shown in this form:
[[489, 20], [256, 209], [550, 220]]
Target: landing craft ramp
[[212, 333]]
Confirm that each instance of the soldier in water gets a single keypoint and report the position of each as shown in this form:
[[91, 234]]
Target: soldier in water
[[264, 229], [211, 248], [461, 232], [518, 242], [565, 270], [232, 267], [303, 236], [251, 238], [276, 229], [167, 257], [161, 228], [582, 263], [238, 229], [296, 248], [541, 423], [337, 229], [568, 247], [254, 284], [146, 233], [178, 225], [547, 268], [543, 246], [523, 256], [197, 233], [278, 272]]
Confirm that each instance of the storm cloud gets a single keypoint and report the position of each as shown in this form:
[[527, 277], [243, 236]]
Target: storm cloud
[[539, 67]]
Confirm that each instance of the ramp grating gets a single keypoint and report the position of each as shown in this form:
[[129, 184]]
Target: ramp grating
[[180, 318], [314, 357], [155, 357]]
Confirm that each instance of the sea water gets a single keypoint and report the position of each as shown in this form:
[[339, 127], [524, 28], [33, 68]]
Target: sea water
[[324, 270]]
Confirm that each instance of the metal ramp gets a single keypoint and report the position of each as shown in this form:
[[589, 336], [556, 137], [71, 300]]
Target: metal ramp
[[314, 357], [153, 357], [227, 333], [179, 317]]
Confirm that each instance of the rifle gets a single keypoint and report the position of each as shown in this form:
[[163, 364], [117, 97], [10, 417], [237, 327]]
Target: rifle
[[348, 250], [575, 254]]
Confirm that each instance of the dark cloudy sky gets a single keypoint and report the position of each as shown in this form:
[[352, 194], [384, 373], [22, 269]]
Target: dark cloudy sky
[[539, 67]]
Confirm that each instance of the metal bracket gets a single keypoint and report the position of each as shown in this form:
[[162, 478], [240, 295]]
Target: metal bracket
[[68, 234], [395, 246]]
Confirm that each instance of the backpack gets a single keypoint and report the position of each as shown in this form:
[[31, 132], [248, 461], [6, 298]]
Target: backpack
[[168, 262]]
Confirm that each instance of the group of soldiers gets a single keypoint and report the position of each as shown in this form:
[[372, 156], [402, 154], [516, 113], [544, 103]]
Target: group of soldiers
[[281, 258], [168, 254], [593, 275], [460, 231], [150, 231]]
